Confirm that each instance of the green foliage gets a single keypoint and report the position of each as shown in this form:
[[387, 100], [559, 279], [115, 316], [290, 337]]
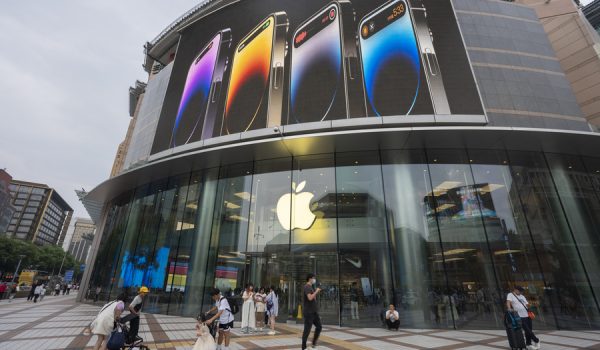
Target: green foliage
[[46, 258]]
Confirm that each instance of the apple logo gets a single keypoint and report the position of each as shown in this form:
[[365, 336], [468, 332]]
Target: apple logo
[[299, 203]]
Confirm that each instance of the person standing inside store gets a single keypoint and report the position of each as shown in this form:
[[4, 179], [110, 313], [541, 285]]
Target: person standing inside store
[[516, 301], [310, 310], [354, 301]]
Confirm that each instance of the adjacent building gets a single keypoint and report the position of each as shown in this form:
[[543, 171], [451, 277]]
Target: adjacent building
[[592, 13], [81, 240], [6, 207], [577, 47], [41, 215]]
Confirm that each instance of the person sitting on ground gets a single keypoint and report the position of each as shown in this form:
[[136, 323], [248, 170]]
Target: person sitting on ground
[[392, 318]]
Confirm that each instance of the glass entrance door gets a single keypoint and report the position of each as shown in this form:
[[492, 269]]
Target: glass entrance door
[[287, 273]]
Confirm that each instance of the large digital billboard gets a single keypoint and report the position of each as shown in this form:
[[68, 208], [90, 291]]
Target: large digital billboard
[[265, 63]]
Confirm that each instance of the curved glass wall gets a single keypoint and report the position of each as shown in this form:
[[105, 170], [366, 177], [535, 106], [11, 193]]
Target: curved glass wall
[[442, 234]]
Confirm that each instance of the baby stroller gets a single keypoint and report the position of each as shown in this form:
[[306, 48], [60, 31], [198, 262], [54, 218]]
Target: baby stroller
[[135, 344]]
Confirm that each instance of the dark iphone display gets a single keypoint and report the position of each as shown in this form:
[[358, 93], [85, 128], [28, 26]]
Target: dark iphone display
[[320, 86]]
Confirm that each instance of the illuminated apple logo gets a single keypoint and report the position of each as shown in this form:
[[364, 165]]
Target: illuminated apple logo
[[297, 203]]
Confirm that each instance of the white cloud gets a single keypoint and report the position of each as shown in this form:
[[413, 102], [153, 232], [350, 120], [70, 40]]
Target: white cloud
[[65, 69]]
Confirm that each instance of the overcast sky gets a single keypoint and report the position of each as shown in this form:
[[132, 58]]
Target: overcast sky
[[65, 70]]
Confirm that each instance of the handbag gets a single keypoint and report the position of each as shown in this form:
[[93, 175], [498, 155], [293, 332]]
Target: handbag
[[530, 313], [117, 339]]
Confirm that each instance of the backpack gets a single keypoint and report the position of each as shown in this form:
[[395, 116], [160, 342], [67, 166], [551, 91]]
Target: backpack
[[234, 308]]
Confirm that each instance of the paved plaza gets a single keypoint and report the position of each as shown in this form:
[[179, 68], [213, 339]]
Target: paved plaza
[[58, 323]]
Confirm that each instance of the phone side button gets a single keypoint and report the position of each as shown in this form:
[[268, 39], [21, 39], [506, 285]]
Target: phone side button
[[278, 76], [351, 63], [432, 62], [216, 91]]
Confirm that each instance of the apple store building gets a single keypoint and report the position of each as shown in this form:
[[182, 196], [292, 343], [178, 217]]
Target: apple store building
[[436, 158]]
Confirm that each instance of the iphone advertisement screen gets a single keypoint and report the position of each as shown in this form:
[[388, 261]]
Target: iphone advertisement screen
[[292, 62]]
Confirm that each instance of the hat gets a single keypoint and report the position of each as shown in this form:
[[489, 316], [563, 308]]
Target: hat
[[214, 292], [144, 290], [520, 289]]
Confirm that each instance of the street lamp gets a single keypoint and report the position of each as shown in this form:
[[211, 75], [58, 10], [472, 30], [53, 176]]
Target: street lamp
[[17, 270]]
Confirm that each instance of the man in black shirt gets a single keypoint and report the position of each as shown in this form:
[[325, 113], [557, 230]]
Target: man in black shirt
[[311, 315]]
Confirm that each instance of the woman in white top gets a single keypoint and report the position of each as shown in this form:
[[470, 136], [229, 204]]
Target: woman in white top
[[103, 325], [261, 308], [272, 308], [248, 309]]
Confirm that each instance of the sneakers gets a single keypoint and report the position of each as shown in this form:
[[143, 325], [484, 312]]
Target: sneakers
[[537, 345], [530, 347], [271, 333]]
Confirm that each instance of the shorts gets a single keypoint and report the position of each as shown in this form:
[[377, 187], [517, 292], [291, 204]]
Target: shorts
[[225, 327]]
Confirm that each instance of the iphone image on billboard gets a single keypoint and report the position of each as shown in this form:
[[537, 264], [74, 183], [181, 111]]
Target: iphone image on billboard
[[395, 77], [255, 91], [201, 97], [325, 81]]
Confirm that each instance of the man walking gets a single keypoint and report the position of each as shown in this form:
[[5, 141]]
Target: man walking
[[36, 292], [57, 289], [311, 315]]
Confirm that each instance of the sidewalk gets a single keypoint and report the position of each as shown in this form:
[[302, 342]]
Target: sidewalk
[[58, 322]]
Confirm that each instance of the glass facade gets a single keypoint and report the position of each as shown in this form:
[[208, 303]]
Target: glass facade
[[442, 234]]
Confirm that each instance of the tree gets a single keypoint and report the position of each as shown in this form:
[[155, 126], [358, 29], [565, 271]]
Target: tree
[[46, 258]]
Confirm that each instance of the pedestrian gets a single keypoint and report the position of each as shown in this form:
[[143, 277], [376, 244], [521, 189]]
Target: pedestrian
[[225, 317], [31, 292], [103, 325], [14, 288], [272, 308], [516, 301], [135, 309], [64, 289], [392, 318], [248, 309], [261, 308], [310, 310], [69, 286], [57, 289], [354, 301], [98, 290], [36, 292], [2, 290], [43, 292]]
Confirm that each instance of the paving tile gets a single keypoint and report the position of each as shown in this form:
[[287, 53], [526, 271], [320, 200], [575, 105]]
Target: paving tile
[[379, 345], [464, 335], [342, 335], [573, 334], [425, 341], [376, 332], [265, 343]]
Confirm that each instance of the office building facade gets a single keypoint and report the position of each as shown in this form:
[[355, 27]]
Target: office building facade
[[41, 215]]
